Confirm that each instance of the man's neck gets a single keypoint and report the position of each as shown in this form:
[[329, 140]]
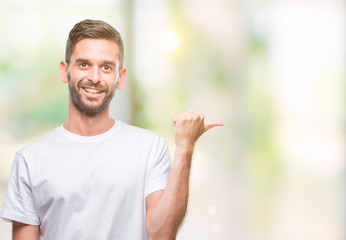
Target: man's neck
[[88, 125]]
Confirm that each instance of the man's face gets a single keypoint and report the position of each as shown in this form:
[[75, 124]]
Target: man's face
[[92, 74]]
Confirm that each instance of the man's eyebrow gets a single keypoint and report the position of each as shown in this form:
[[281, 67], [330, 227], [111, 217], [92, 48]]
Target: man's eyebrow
[[81, 60], [107, 62]]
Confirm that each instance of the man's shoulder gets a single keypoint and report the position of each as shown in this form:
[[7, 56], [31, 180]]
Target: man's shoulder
[[136, 130], [40, 143], [140, 133]]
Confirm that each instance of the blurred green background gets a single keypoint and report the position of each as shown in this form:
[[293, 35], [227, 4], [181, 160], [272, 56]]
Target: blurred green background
[[272, 70]]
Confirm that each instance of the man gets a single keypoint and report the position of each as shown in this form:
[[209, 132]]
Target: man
[[95, 177]]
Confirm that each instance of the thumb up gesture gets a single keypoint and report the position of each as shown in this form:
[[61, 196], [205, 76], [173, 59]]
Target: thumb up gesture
[[189, 126]]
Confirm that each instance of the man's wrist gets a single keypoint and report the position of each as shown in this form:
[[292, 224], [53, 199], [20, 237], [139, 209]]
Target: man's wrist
[[184, 148]]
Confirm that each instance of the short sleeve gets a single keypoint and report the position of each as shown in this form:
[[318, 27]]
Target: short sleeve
[[19, 204], [160, 166]]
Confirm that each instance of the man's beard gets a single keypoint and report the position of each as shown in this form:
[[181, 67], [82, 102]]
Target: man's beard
[[77, 101]]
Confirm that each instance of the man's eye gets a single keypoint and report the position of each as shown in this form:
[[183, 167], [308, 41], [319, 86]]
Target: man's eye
[[106, 68], [84, 65]]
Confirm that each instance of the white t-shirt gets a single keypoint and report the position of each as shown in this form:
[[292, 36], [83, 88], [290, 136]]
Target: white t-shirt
[[78, 187]]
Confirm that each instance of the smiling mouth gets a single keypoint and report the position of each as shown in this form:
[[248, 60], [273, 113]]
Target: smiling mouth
[[92, 90]]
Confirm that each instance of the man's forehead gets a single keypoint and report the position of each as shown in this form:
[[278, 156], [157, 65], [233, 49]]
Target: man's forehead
[[90, 46], [95, 40]]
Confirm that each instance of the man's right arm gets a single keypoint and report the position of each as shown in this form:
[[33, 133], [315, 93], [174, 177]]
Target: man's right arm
[[23, 231]]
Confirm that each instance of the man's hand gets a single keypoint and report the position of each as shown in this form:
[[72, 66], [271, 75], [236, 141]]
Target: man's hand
[[190, 126]]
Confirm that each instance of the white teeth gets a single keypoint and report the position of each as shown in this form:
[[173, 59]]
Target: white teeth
[[90, 90]]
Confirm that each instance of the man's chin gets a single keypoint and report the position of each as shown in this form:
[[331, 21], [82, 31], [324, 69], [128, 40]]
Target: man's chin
[[90, 109]]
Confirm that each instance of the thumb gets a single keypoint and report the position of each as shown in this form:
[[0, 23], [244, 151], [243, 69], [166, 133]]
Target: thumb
[[212, 124]]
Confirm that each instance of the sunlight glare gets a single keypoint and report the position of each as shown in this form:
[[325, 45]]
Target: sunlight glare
[[172, 42]]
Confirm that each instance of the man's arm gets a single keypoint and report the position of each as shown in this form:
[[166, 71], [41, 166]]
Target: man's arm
[[166, 209], [21, 231]]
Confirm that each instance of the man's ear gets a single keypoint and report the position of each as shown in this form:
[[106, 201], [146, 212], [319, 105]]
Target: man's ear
[[121, 79], [63, 71]]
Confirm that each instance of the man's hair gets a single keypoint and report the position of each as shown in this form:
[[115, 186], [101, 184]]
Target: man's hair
[[95, 29]]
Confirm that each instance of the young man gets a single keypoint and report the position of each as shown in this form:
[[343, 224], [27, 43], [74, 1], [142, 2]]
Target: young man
[[95, 177]]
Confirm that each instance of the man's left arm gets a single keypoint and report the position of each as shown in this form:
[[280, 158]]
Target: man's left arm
[[166, 209]]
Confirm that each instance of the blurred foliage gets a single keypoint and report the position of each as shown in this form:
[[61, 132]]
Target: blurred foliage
[[36, 96]]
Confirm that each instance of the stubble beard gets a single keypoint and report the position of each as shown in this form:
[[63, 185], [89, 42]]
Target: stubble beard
[[83, 107]]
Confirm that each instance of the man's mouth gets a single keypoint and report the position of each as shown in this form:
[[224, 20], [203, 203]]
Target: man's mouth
[[91, 90]]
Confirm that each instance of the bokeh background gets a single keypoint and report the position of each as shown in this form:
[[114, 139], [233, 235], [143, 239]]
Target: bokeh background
[[272, 70]]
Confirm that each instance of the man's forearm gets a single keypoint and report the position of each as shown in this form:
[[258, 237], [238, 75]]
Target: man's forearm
[[166, 212], [170, 211]]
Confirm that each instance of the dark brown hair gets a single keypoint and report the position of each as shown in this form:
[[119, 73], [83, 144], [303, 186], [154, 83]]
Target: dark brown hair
[[95, 29]]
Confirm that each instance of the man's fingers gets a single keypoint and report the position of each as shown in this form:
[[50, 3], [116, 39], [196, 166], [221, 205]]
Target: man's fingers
[[197, 118], [188, 115], [212, 124]]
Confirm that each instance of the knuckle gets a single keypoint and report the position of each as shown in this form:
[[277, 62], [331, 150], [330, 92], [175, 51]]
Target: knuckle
[[190, 118]]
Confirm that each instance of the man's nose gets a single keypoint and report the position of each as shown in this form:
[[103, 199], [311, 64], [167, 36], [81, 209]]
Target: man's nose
[[94, 74]]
